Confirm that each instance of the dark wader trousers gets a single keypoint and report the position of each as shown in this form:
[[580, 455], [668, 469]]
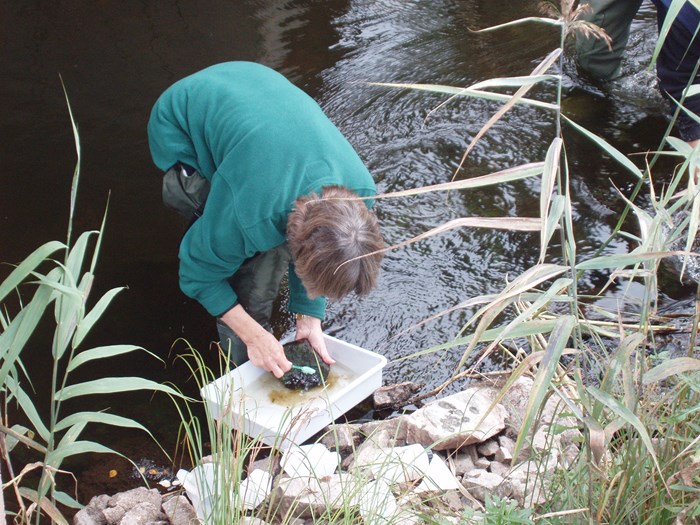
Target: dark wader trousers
[[593, 55], [257, 283]]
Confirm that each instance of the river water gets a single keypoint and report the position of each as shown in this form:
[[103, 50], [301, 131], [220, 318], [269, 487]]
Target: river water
[[115, 58]]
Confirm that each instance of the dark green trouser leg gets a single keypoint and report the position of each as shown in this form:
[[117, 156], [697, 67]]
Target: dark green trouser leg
[[257, 283], [615, 17]]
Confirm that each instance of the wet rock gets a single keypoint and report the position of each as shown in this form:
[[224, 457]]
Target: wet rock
[[119, 504], [144, 513], [488, 448], [480, 483], [342, 438], [302, 355], [457, 420], [179, 511], [396, 427], [89, 516], [463, 461], [394, 396], [309, 497]]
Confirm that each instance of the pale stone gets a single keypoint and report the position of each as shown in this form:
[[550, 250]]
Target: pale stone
[[488, 448], [255, 488], [377, 504], [179, 511], [457, 420], [343, 438], [245, 520], [462, 463], [480, 483], [527, 485], [482, 463], [119, 504], [395, 396], [144, 512], [503, 455], [515, 401], [395, 427], [308, 497], [89, 516], [394, 465], [309, 460], [438, 477], [270, 464], [499, 468]]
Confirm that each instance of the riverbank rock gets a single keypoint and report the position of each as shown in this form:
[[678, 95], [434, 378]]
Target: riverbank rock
[[453, 452], [458, 420]]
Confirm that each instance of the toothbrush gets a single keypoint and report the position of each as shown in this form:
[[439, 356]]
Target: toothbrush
[[304, 369]]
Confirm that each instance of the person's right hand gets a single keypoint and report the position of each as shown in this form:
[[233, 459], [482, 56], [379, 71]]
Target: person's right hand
[[265, 352]]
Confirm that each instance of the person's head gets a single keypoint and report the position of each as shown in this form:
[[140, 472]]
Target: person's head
[[326, 234]]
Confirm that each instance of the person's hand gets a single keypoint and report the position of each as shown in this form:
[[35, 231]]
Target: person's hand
[[265, 352], [310, 328]]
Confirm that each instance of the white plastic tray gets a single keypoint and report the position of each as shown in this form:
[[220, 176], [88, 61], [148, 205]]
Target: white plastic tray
[[263, 408]]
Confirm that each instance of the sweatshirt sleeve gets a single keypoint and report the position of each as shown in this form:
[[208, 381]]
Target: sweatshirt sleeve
[[211, 251]]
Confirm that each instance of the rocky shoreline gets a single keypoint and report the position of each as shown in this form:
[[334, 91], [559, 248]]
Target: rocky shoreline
[[446, 456]]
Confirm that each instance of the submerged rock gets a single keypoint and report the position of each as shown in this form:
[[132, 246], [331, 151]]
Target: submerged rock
[[308, 370]]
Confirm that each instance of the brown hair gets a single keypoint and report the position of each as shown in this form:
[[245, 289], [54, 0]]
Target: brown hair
[[325, 236]]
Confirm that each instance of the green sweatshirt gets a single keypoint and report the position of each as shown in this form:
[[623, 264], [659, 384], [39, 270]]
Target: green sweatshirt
[[262, 143]]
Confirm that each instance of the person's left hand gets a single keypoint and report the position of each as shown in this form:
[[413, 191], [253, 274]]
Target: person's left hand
[[310, 328]]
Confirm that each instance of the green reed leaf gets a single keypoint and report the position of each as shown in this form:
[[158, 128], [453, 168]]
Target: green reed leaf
[[104, 352], [112, 385], [45, 504], [27, 266], [87, 322], [558, 340], [28, 408], [672, 367], [629, 417], [607, 148], [102, 418]]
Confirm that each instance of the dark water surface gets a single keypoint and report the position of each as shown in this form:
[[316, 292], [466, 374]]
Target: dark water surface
[[115, 58]]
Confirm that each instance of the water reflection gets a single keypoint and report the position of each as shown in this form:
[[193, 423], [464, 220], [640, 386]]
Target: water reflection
[[116, 58]]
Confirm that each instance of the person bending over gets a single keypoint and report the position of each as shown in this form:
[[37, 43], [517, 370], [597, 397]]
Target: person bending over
[[281, 190]]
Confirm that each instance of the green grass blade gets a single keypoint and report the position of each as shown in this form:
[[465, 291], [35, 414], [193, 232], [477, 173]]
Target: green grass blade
[[27, 266], [15, 337], [521, 21], [56, 457], [524, 171], [620, 260], [103, 352], [112, 385], [76, 256], [629, 417], [527, 329], [557, 343], [45, 505], [28, 408], [672, 367], [549, 177], [87, 322], [552, 224], [606, 147], [76, 171], [67, 500], [466, 92], [102, 418]]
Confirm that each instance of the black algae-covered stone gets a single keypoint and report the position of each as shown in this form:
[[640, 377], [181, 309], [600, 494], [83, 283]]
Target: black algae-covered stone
[[302, 354]]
